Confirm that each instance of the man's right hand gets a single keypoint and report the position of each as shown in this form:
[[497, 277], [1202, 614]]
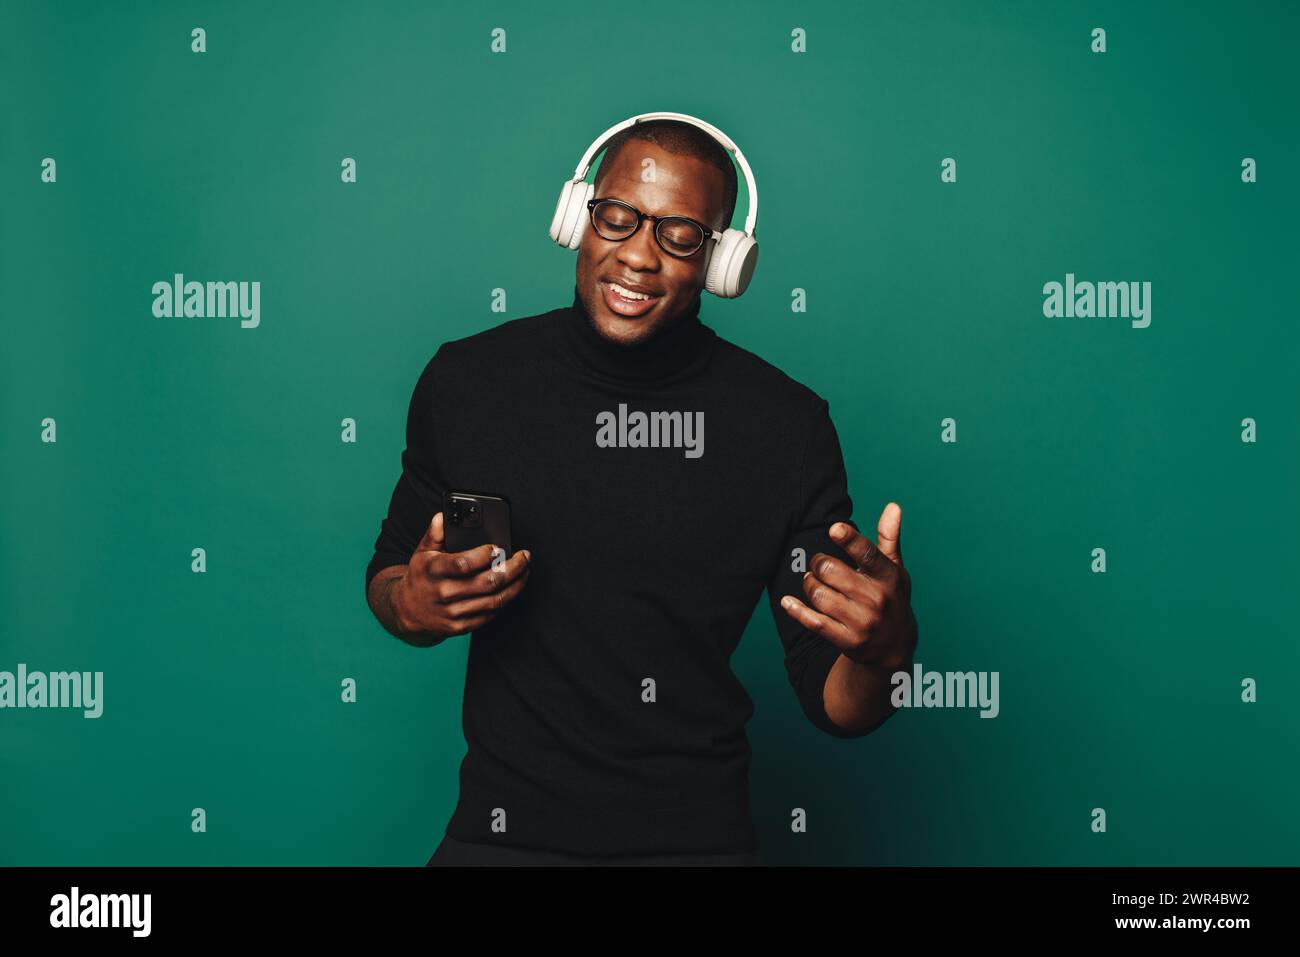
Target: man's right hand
[[453, 593]]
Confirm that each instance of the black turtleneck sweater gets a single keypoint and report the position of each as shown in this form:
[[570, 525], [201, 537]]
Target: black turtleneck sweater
[[601, 713]]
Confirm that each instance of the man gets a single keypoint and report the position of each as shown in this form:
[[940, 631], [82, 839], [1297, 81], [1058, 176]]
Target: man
[[602, 718]]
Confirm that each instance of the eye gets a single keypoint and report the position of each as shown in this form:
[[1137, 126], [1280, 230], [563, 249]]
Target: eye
[[681, 235], [614, 216]]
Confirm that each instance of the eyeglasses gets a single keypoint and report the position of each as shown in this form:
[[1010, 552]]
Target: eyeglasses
[[678, 236]]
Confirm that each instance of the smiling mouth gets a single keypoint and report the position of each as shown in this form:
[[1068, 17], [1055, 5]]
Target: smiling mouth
[[627, 303]]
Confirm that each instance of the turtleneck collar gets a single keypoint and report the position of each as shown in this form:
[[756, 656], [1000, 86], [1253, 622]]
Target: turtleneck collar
[[680, 350]]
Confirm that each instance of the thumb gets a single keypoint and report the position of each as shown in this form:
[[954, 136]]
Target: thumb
[[432, 540], [889, 532]]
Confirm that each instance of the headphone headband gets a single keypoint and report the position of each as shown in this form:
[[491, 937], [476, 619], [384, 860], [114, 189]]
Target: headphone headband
[[584, 165]]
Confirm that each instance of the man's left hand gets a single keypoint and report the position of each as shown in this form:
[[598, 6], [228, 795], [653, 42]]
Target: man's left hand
[[865, 610]]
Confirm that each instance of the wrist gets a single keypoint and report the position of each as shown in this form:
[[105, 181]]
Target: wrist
[[900, 660], [884, 667], [390, 596]]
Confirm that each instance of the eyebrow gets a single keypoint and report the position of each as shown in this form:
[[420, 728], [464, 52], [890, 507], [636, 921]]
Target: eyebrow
[[693, 219]]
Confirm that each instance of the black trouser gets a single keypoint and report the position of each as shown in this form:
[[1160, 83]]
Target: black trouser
[[454, 853]]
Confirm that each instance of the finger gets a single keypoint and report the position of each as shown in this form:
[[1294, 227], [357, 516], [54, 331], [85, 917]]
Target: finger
[[816, 622], [835, 604], [432, 539], [844, 578], [889, 532], [460, 564], [864, 553], [485, 582], [488, 604], [465, 626]]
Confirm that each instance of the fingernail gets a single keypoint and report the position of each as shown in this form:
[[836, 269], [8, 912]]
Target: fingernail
[[787, 602], [839, 531]]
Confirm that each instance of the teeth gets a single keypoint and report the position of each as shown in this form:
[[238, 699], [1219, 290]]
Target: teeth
[[627, 293]]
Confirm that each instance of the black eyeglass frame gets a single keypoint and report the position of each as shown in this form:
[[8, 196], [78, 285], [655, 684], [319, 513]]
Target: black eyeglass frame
[[640, 217]]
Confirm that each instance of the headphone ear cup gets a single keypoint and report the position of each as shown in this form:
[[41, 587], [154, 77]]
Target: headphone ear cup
[[731, 264], [570, 219], [560, 208]]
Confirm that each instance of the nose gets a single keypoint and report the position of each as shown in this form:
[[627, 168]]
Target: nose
[[640, 252]]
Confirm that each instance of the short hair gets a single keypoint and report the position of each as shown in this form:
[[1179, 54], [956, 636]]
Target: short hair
[[674, 136]]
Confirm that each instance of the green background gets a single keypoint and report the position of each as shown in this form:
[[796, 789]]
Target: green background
[[1119, 691]]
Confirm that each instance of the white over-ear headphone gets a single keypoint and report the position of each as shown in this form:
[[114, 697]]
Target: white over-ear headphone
[[730, 264]]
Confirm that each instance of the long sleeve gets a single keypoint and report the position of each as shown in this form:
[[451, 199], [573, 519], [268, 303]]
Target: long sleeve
[[823, 499], [626, 584], [418, 494]]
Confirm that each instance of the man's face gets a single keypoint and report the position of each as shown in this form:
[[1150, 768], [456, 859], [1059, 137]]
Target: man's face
[[681, 185]]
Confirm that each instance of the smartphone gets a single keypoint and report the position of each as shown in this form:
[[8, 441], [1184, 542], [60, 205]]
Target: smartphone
[[471, 519]]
